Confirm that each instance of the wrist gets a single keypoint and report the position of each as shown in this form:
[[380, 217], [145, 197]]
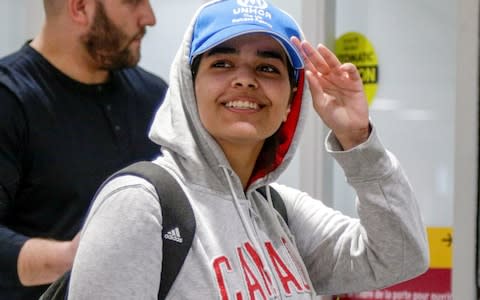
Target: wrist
[[351, 139]]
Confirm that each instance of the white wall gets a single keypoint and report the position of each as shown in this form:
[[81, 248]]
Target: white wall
[[20, 20], [162, 41], [427, 110], [466, 143], [415, 103]]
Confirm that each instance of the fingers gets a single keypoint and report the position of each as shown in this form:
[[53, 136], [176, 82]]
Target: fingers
[[315, 85], [351, 71], [324, 61], [308, 64], [312, 58], [317, 60], [328, 78], [328, 56]]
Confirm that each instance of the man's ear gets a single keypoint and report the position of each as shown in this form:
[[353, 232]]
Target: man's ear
[[81, 11]]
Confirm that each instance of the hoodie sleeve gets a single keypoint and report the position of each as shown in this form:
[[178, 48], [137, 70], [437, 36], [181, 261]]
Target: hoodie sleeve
[[387, 244], [119, 255]]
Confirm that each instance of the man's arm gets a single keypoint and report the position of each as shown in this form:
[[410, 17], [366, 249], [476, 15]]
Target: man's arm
[[11, 243], [24, 260], [42, 261]]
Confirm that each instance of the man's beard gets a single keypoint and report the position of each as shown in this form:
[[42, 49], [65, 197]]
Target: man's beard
[[108, 45]]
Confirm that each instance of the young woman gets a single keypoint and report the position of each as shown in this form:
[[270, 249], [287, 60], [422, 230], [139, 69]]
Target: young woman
[[229, 125]]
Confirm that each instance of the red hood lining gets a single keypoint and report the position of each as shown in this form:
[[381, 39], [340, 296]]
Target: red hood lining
[[285, 135]]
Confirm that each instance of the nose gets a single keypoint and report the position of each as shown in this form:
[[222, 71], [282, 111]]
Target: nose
[[147, 15], [245, 77]]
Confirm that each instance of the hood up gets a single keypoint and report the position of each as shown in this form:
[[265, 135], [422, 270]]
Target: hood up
[[178, 130]]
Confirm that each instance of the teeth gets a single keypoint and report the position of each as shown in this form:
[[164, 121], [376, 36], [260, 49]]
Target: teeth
[[242, 105]]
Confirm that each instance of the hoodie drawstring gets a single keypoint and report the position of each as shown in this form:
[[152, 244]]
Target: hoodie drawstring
[[278, 228], [244, 219], [248, 228], [298, 261]]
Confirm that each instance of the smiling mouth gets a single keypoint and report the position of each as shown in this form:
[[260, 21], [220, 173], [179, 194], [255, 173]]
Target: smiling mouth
[[247, 105]]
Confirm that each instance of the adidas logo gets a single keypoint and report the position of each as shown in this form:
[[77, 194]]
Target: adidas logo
[[174, 235]]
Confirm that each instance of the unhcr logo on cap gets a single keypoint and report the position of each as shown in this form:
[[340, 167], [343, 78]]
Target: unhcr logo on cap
[[260, 4], [252, 11]]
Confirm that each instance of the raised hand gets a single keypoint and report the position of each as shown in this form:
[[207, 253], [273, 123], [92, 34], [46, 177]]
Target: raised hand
[[337, 91]]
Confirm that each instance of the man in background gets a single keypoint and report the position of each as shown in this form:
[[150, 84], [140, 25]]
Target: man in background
[[74, 108]]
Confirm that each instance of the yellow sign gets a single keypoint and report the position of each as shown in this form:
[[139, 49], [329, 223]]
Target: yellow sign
[[440, 240], [355, 48]]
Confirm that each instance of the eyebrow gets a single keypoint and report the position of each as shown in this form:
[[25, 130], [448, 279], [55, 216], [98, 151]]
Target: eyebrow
[[222, 50], [271, 54], [230, 50]]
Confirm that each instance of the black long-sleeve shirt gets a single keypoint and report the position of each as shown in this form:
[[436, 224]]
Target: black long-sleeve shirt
[[59, 139]]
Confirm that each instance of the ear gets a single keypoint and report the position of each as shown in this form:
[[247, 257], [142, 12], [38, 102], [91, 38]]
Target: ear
[[287, 111], [80, 11], [294, 90]]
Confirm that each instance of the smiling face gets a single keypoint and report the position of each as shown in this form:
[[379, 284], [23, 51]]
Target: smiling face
[[113, 40], [242, 88]]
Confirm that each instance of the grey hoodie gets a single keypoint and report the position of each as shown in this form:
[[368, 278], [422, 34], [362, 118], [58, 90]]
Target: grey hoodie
[[242, 248]]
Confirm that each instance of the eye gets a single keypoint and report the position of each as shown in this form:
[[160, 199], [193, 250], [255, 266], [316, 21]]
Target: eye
[[268, 69], [221, 64]]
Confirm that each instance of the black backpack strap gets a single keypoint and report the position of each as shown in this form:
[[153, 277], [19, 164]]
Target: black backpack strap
[[58, 290], [277, 201], [178, 219], [178, 227]]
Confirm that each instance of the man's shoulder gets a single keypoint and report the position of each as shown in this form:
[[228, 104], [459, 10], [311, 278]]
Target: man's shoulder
[[19, 68], [139, 76], [14, 60], [146, 85], [16, 71]]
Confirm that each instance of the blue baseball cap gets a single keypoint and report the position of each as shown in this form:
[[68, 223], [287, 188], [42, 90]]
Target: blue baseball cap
[[223, 20]]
